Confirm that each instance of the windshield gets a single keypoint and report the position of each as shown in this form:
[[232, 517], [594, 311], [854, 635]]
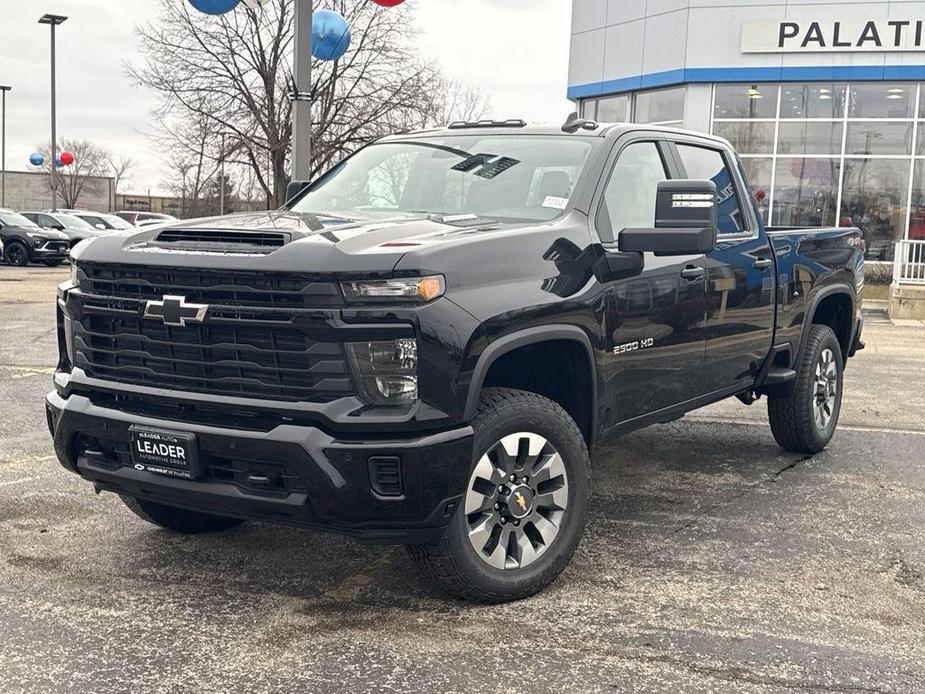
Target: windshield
[[502, 176], [14, 219], [116, 222], [72, 222]]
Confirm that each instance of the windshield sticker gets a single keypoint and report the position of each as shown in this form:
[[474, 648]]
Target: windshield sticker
[[555, 202], [496, 167]]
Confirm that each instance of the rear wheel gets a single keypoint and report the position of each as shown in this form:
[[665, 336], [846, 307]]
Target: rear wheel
[[805, 420], [177, 519], [17, 254], [525, 505]]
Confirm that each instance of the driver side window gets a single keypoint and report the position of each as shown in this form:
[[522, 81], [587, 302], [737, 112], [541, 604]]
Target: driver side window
[[631, 193]]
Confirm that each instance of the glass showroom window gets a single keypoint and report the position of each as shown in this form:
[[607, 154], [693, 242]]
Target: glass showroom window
[[662, 106], [608, 109], [745, 114], [831, 153], [614, 109]]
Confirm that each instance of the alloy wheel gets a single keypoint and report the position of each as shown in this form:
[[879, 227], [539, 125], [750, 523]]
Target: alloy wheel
[[825, 391], [17, 255], [516, 500]]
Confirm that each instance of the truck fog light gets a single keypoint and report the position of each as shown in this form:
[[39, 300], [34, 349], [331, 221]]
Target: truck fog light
[[386, 372]]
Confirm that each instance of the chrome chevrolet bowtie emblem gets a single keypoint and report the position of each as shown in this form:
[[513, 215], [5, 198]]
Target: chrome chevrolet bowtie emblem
[[519, 498], [173, 310]]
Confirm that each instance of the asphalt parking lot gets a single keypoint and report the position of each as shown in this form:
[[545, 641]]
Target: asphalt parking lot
[[714, 562]]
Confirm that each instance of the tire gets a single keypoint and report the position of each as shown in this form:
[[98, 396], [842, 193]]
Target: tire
[[52, 263], [554, 505], [177, 519], [799, 421], [16, 254]]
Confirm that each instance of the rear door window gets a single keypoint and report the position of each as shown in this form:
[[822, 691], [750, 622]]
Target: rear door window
[[703, 163]]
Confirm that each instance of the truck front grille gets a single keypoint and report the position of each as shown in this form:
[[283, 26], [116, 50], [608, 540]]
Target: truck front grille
[[244, 350], [214, 287]]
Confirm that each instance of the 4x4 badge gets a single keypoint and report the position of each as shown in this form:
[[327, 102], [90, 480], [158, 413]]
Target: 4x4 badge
[[174, 310]]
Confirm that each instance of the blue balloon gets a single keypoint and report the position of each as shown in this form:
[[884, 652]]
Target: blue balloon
[[36, 159], [214, 6], [330, 35], [58, 163]]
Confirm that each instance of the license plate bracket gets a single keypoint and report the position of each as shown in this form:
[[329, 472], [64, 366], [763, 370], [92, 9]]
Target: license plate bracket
[[165, 452]]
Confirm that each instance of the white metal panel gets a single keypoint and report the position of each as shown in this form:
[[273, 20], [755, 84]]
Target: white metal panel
[[715, 36], [656, 7], [619, 11], [623, 52], [660, 54], [588, 15], [586, 58]]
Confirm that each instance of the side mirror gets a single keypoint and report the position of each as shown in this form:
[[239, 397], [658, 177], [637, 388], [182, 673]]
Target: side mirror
[[685, 221], [294, 188], [101, 227]]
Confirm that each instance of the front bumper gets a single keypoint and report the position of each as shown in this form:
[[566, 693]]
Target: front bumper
[[318, 481], [50, 251]]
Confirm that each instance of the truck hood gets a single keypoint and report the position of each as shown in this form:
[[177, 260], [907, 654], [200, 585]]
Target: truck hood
[[314, 244]]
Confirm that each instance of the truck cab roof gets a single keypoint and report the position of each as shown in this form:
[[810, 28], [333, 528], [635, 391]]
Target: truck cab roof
[[515, 128]]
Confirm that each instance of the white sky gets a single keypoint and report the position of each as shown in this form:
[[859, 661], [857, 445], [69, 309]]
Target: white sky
[[516, 51]]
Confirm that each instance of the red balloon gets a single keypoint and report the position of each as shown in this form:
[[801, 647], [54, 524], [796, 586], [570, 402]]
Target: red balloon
[[67, 158], [388, 3]]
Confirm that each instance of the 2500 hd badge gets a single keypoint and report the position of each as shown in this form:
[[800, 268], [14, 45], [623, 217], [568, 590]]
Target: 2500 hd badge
[[428, 359]]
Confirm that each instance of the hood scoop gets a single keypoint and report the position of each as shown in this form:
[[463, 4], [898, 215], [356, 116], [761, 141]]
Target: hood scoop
[[221, 240]]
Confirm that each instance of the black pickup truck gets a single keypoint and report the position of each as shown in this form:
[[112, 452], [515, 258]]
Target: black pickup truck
[[426, 343]]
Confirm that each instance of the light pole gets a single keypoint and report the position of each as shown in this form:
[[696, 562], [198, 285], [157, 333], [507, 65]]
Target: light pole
[[3, 90], [301, 105], [221, 179], [53, 20]]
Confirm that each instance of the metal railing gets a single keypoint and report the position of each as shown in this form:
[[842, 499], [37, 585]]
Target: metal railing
[[909, 262]]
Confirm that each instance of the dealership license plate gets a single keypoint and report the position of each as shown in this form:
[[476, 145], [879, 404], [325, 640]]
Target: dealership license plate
[[170, 453]]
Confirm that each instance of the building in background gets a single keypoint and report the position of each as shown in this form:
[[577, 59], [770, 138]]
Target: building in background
[[29, 190], [826, 102], [184, 209]]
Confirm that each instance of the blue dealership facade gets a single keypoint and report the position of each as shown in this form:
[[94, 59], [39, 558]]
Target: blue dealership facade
[[824, 101]]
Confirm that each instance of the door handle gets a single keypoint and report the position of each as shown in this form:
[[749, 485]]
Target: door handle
[[692, 273], [763, 263]]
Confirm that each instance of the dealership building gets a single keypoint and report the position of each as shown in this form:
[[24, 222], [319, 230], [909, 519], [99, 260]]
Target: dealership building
[[825, 101]]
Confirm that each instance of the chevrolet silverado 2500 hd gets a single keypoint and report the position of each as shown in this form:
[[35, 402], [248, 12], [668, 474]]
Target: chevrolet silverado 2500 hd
[[424, 345]]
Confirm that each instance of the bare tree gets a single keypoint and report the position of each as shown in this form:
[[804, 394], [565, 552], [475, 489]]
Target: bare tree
[[191, 160], [90, 161], [119, 168], [235, 71]]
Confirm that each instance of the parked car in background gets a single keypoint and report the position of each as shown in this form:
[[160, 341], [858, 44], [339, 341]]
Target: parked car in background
[[104, 222], [75, 229], [22, 241], [137, 218]]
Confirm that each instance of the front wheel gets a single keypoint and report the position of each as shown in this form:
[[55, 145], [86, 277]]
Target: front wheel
[[53, 263], [805, 420], [525, 505], [17, 254]]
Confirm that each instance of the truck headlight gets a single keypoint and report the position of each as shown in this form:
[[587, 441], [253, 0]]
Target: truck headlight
[[420, 289], [386, 372]]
